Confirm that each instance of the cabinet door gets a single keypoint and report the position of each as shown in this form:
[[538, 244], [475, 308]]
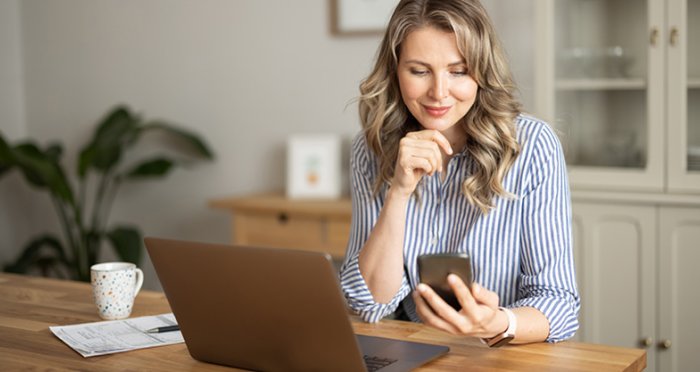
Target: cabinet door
[[684, 95], [679, 296], [616, 243], [601, 84], [577, 230]]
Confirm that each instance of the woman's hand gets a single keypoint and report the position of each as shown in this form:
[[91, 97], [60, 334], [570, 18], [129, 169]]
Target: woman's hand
[[479, 316], [420, 153]]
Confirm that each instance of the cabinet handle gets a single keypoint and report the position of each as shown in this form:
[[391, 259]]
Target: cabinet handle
[[646, 342], [654, 36], [665, 344], [282, 218], [674, 36]]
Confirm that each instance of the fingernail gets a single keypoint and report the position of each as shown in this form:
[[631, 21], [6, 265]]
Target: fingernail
[[452, 278], [476, 288], [422, 288]]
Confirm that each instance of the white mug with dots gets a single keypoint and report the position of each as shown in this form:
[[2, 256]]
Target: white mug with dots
[[114, 287]]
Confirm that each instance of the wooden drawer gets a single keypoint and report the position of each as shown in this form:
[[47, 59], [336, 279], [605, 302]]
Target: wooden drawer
[[338, 232], [274, 221], [281, 230], [278, 230]]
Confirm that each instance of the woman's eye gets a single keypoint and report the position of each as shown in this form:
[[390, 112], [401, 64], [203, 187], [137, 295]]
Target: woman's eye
[[419, 72], [459, 72]]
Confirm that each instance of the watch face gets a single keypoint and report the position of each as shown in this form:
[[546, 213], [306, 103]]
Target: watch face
[[500, 341]]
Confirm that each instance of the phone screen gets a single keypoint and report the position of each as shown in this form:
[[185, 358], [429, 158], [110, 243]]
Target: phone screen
[[433, 270]]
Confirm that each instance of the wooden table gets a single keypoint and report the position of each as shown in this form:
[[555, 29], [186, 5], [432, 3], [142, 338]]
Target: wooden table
[[29, 305]]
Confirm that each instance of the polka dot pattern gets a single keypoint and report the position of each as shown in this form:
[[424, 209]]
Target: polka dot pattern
[[114, 287]]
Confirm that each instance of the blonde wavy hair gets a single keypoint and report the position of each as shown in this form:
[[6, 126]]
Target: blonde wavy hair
[[489, 124]]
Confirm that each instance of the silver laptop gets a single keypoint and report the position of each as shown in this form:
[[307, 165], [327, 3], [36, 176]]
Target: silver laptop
[[270, 310]]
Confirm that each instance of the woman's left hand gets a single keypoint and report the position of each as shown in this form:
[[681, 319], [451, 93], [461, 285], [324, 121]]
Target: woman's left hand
[[479, 316]]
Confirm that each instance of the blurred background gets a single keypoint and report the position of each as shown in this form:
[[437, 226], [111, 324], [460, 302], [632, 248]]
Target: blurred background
[[243, 74], [619, 80]]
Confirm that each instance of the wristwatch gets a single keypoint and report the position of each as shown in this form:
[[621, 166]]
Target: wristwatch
[[505, 337]]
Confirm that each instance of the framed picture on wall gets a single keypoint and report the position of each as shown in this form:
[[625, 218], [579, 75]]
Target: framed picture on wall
[[361, 16], [313, 166]]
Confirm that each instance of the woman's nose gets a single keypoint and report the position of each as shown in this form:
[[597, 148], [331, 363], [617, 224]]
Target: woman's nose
[[440, 87]]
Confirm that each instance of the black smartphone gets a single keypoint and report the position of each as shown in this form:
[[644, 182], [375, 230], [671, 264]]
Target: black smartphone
[[433, 270]]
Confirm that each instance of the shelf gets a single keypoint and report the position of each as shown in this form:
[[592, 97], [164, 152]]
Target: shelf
[[601, 84]]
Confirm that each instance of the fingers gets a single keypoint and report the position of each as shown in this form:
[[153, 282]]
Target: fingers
[[464, 295], [484, 296], [419, 154], [480, 306], [415, 148], [426, 312], [412, 157], [434, 136]]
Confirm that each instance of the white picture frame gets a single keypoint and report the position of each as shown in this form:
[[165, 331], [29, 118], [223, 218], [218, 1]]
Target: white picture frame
[[314, 166], [361, 16]]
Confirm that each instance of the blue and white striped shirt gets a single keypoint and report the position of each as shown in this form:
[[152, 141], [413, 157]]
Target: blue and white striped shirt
[[522, 249]]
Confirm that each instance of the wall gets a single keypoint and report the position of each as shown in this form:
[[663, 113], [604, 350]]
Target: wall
[[15, 224], [245, 74]]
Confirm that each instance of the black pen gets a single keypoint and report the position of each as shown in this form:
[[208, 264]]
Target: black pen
[[164, 329]]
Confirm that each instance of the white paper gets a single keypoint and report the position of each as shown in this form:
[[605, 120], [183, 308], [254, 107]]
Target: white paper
[[116, 336]]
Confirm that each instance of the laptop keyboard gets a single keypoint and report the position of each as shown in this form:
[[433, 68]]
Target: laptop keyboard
[[376, 363]]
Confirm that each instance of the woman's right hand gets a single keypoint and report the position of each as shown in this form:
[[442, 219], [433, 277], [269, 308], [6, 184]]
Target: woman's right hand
[[419, 154]]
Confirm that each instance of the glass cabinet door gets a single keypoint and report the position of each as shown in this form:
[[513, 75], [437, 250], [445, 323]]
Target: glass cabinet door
[[605, 90], [684, 95], [693, 64]]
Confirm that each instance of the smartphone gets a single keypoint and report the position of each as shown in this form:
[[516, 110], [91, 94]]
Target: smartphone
[[433, 270]]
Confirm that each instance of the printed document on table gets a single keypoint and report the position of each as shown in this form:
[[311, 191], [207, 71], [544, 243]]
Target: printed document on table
[[115, 336]]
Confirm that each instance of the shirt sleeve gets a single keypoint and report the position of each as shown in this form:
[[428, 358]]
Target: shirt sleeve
[[365, 211], [548, 280]]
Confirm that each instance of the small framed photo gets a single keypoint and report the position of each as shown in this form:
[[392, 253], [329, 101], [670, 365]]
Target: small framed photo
[[313, 166], [361, 16]]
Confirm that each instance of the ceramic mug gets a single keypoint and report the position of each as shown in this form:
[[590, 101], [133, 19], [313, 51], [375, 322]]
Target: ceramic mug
[[114, 287]]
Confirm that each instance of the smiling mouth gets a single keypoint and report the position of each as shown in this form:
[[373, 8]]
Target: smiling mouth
[[437, 111]]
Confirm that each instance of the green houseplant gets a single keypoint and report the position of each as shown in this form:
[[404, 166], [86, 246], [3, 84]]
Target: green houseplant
[[83, 203]]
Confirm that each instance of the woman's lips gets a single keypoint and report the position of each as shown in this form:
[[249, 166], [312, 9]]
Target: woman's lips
[[437, 111]]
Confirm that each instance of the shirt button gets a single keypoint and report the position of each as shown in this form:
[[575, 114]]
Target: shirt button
[[435, 240]]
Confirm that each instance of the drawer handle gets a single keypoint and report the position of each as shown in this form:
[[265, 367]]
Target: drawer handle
[[282, 218]]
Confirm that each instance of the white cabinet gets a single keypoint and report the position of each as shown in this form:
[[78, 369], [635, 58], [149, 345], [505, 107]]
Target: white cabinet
[[638, 274], [616, 247], [678, 290], [620, 79]]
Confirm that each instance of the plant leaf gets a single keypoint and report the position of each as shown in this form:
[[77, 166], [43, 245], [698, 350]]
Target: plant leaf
[[85, 159], [157, 167], [6, 159], [54, 151], [126, 241], [192, 140], [42, 170], [112, 135], [32, 254]]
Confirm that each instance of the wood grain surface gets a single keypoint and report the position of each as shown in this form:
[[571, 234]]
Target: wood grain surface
[[29, 305]]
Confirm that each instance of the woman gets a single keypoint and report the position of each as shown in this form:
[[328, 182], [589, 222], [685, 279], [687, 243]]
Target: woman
[[447, 163]]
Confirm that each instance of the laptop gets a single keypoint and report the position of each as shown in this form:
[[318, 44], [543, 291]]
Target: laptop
[[270, 310]]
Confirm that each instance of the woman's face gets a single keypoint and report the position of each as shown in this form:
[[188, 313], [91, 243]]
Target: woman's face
[[434, 81]]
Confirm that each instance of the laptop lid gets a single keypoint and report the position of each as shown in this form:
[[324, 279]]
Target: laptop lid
[[264, 309]]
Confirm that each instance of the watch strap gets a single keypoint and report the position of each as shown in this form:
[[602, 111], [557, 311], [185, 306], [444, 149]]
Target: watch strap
[[505, 337]]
